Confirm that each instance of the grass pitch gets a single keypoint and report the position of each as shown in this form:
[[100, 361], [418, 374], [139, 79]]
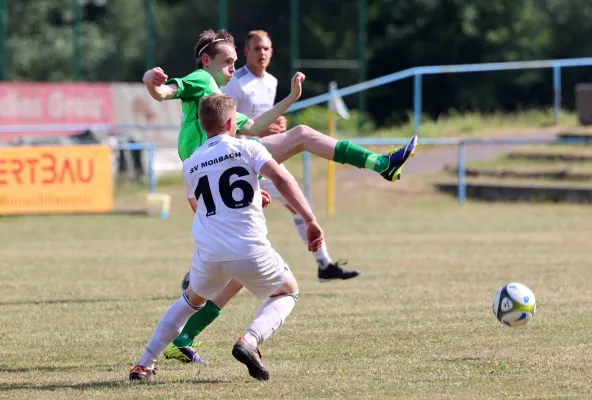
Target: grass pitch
[[80, 297]]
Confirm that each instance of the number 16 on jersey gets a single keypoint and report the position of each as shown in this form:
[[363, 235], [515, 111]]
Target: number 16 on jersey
[[226, 190]]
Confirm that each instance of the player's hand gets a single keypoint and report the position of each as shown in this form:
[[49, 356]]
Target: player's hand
[[282, 123], [314, 235], [296, 86], [155, 77], [266, 198], [274, 128]]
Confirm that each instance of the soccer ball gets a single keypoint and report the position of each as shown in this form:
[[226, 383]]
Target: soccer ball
[[514, 304]]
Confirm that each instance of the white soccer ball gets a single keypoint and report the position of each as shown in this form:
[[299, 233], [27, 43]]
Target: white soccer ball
[[514, 304]]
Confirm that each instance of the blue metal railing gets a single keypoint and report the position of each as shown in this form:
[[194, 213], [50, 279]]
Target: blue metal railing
[[417, 74], [460, 143], [462, 149]]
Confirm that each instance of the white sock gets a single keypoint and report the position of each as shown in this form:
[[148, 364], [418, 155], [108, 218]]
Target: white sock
[[322, 255], [270, 316], [169, 326]]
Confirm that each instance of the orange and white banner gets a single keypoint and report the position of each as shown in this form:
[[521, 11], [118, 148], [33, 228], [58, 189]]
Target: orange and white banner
[[45, 180]]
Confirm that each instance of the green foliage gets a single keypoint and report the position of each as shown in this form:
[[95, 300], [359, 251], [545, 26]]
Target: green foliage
[[318, 118], [455, 124], [401, 34]]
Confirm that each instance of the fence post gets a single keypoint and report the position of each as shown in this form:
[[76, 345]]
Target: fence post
[[362, 60], [150, 63], [416, 103], [461, 173], [331, 128], [3, 38], [556, 93], [223, 14], [151, 174], [77, 52], [294, 57]]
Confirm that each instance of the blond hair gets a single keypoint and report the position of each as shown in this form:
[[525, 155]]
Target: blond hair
[[214, 111], [256, 33]]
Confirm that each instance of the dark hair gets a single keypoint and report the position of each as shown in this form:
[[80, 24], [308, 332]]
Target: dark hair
[[208, 43], [214, 111]]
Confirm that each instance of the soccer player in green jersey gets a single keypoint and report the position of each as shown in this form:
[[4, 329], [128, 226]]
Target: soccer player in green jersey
[[215, 55]]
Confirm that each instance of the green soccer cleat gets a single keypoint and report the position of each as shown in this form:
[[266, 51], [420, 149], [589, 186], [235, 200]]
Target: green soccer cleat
[[184, 354]]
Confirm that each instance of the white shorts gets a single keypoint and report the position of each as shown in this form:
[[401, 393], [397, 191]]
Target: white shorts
[[269, 187], [261, 275]]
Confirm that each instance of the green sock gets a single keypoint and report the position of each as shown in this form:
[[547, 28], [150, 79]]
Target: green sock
[[197, 323], [348, 153]]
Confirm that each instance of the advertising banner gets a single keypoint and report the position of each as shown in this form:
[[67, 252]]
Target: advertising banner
[[62, 179]]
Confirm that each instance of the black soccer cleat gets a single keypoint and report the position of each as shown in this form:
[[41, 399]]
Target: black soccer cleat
[[334, 271], [251, 357]]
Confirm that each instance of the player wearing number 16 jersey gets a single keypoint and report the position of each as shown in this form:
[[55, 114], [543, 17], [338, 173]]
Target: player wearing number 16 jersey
[[215, 55], [230, 235]]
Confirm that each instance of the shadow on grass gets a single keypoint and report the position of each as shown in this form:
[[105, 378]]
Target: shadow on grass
[[82, 301], [119, 384], [57, 368]]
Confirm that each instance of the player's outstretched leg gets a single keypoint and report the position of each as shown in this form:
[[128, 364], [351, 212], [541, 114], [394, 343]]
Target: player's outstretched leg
[[180, 349], [269, 318], [301, 138], [168, 327]]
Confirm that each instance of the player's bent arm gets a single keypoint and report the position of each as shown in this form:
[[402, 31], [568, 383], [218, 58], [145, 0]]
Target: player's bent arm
[[289, 189], [163, 92], [263, 121]]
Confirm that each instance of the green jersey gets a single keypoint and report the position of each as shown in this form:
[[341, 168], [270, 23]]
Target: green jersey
[[191, 89]]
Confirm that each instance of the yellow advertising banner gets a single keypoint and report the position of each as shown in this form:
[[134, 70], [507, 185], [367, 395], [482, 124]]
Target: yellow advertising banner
[[46, 180]]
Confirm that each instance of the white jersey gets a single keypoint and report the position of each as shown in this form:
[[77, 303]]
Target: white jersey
[[222, 175], [251, 94]]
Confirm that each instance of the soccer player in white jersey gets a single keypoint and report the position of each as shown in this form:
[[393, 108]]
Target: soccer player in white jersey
[[230, 235], [253, 90], [215, 55]]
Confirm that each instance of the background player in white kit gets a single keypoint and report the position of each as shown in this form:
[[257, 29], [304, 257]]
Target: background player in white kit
[[230, 234], [253, 90]]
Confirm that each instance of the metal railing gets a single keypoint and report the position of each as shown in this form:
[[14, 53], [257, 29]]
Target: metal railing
[[418, 72], [462, 144]]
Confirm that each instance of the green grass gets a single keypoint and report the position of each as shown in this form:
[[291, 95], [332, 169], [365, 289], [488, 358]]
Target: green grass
[[504, 163], [455, 124], [80, 296], [450, 124]]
